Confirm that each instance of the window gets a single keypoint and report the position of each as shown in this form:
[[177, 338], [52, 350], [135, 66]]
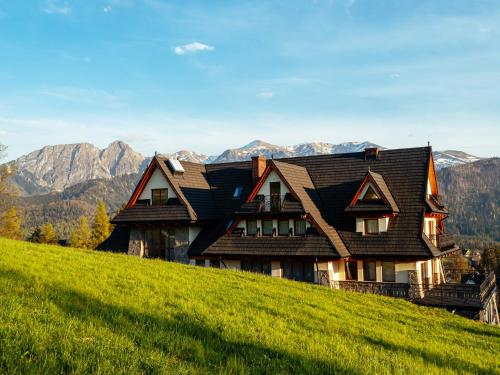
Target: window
[[370, 195], [257, 267], [200, 262], [142, 202], [351, 270], [159, 196], [369, 271], [275, 188], [283, 227], [237, 192], [251, 227], [371, 226], [388, 272], [300, 227], [267, 227], [298, 271]]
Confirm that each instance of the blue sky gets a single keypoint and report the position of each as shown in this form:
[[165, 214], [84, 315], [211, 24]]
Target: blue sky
[[209, 75]]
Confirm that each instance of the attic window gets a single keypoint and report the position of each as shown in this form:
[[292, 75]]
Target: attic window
[[370, 195], [237, 192]]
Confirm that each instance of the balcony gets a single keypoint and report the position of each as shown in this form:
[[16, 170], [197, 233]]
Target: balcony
[[443, 241], [458, 295], [271, 204]]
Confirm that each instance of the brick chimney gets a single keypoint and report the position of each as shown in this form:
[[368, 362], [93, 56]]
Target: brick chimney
[[258, 167], [371, 153]]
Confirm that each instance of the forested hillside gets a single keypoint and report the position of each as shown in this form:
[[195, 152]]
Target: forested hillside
[[472, 194]]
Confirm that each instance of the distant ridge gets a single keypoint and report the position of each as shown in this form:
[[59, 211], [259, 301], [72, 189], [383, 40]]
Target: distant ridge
[[55, 168]]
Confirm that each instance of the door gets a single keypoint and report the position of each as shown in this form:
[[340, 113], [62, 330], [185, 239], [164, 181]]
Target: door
[[275, 190]]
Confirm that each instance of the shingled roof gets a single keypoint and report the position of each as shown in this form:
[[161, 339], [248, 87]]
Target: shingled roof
[[388, 202], [325, 185]]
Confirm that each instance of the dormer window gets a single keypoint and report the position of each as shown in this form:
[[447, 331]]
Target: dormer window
[[371, 226], [237, 192], [159, 197]]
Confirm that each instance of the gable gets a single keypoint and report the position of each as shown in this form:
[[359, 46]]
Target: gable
[[273, 177], [156, 181], [369, 193]]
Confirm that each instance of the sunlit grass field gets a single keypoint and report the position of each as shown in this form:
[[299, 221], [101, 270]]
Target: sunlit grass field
[[73, 311]]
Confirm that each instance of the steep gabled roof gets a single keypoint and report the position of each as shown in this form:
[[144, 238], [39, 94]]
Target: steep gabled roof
[[159, 162], [298, 181], [378, 183]]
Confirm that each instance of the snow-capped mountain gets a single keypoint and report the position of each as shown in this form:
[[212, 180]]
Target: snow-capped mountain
[[451, 158], [55, 168]]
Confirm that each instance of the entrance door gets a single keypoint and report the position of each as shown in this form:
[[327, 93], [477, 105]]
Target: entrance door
[[275, 190]]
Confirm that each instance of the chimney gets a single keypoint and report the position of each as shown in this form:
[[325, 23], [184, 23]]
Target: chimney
[[371, 153], [258, 167]]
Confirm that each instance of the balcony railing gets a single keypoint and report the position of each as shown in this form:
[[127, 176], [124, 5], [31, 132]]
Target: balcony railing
[[457, 295], [442, 240], [270, 203]]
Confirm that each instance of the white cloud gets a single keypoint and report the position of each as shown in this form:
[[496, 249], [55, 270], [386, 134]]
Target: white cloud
[[56, 7], [106, 9], [265, 95], [192, 48], [87, 60]]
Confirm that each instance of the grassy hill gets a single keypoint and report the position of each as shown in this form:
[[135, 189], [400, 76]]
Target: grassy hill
[[73, 311]]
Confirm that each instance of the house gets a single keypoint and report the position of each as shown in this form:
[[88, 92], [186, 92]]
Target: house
[[370, 221]]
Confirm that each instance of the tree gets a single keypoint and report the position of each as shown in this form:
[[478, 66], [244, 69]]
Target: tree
[[49, 234], [6, 189], [101, 228], [36, 236], [11, 225], [80, 238]]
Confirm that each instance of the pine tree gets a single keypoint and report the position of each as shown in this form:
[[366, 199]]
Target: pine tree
[[36, 236], [49, 235], [80, 238], [10, 225], [101, 229]]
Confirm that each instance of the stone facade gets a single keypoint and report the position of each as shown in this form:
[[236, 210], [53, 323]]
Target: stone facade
[[181, 245]]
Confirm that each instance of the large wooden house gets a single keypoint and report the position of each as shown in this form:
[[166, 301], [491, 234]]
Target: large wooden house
[[367, 221]]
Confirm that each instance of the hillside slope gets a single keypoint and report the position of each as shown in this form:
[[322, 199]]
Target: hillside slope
[[64, 310]]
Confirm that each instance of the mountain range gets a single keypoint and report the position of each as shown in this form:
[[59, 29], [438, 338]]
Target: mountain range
[[56, 168]]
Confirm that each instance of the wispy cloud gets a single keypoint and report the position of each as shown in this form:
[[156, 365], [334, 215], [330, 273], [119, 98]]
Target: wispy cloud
[[56, 7], [265, 95], [192, 48], [107, 9], [84, 96]]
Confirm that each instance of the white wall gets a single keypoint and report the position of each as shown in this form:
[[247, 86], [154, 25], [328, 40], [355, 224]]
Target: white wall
[[194, 230], [402, 271], [276, 269], [273, 177], [157, 181]]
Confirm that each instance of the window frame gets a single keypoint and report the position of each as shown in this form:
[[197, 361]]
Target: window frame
[[393, 269], [295, 232], [162, 191], [238, 190], [366, 226], [280, 233], [263, 228], [366, 264], [348, 274], [248, 232]]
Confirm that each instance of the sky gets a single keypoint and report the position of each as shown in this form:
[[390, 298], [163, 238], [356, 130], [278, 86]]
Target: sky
[[211, 75]]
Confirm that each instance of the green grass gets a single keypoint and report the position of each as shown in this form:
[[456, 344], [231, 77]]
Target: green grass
[[73, 311]]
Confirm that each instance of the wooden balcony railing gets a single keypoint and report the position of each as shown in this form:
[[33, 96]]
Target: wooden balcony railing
[[270, 203], [442, 241]]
